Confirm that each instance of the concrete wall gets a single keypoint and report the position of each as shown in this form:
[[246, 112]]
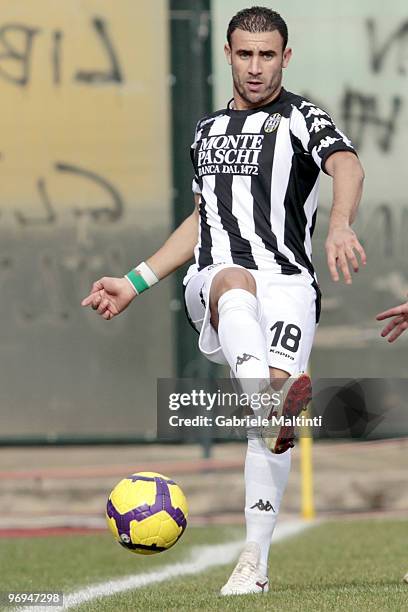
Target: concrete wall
[[85, 192]]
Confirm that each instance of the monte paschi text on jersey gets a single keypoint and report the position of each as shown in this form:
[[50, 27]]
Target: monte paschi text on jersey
[[232, 154]]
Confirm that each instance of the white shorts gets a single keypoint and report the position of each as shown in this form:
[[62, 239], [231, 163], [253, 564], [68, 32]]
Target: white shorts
[[289, 309]]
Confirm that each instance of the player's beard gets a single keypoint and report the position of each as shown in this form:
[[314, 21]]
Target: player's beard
[[254, 99]]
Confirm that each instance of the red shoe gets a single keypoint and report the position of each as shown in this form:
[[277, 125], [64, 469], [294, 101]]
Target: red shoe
[[296, 395]]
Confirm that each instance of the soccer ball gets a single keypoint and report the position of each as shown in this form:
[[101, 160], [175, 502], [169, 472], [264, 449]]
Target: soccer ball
[[147, 513]]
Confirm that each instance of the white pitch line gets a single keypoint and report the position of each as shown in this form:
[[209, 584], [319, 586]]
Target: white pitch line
[[201, 559]]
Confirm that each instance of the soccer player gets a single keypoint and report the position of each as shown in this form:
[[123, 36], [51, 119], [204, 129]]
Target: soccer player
[[252, 292], [398, 324]]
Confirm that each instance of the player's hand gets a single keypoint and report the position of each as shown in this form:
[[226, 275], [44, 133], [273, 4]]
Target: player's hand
[[343, 249], [110, 296], [398, 324]]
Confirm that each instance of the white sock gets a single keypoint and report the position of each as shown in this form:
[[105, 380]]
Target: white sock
[[266, 476], [242, 339]]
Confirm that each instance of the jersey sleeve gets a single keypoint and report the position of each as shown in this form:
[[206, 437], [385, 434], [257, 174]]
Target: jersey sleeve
[[195, 183], [317, 133]]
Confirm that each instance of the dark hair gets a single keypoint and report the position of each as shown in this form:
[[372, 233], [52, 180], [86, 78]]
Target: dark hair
[[258, 19]]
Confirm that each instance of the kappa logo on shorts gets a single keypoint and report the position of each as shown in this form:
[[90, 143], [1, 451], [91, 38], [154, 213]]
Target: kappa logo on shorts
[[212, 266], [245, 357], [202, 296], [272, 122]]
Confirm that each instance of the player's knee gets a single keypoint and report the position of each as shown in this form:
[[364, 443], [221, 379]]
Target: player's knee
[[225, 280], [231, 278]]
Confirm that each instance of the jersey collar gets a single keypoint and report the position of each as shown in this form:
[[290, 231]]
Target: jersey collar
[[231, 110]]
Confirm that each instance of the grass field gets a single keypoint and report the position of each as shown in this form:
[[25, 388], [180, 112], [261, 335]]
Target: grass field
[[351, 565]]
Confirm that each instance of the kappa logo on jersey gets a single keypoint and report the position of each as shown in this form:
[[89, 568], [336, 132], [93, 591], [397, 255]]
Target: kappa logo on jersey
[[272, 122], [326, 142], [344, 137], [206, 121], [245, 357], [315, 112], [319, 123], [306, 103], [263, 507]]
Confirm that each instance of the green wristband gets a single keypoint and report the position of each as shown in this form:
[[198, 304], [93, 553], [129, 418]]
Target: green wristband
[[137, 281]]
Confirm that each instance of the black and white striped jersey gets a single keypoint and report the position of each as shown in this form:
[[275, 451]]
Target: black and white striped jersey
[[258, 174]]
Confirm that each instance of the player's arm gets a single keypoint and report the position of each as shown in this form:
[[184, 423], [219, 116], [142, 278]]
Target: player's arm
[[178, 248], [397, 325], [342, 245], [110, 296]]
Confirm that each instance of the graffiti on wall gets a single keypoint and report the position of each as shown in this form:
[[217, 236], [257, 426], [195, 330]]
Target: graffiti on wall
[[77, 157], [78, 114], [17, 54], [361, 109]]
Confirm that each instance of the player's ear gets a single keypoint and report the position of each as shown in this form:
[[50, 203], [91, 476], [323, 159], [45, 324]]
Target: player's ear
[[227, 51], [287, 54]]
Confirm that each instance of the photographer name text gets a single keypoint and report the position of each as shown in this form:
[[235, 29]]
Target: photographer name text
[[246, 421]]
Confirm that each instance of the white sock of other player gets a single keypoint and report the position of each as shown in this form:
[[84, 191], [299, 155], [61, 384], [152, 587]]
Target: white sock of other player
[[266, 476], [242, 339]]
